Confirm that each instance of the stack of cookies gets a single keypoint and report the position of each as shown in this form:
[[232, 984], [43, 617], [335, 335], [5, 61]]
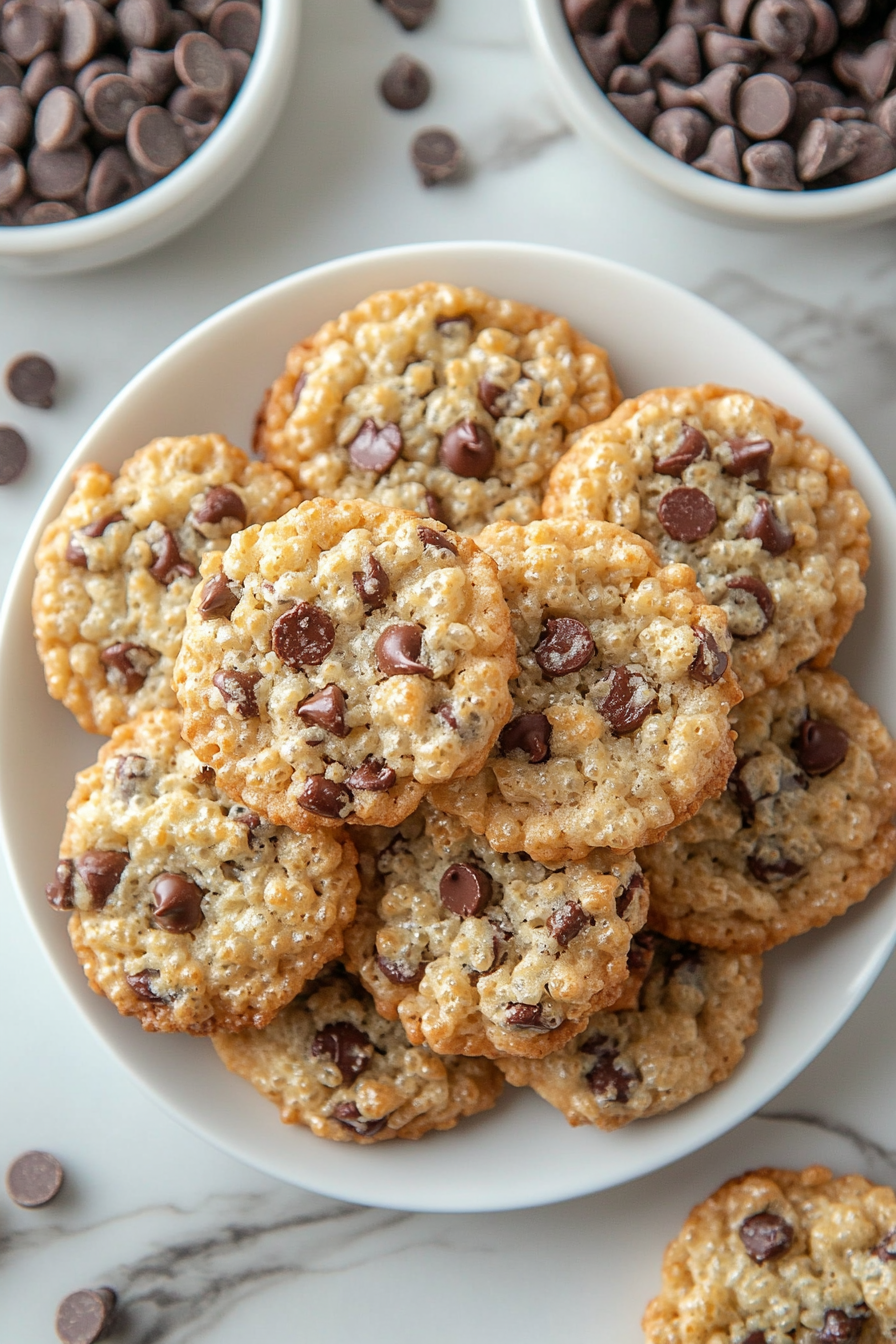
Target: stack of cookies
[[429, 758]]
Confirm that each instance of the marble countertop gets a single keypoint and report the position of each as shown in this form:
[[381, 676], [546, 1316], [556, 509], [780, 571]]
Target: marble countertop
[[200, 1247]]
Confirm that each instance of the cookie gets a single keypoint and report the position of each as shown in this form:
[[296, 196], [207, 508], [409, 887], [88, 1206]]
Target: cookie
[[340, 661], [488, 954], [776, 1256], [802, 832], [677, 1029], [188, 912], [729, 484], [116, 569], [443, 401], [330, 1062], [619, 726]]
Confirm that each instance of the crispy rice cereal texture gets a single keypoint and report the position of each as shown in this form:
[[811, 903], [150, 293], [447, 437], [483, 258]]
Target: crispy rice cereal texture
[[628, 743], [784, 1257], [116, 569], [330, 1062], [412, 365], [256, 912], [678, 1029], [777, 511], [360, 658], [803, 831], [487, 954]]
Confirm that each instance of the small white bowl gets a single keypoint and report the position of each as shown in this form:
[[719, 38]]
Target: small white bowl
[[591, 113], [191, 191]]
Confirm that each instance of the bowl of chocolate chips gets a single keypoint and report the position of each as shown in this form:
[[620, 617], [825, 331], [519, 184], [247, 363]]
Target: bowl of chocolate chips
[[122, 122], [770, 111]]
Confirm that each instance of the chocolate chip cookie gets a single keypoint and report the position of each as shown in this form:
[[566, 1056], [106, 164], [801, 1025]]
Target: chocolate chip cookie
[[729, 484], [116, 569], [188, 911], [444, 401], [340, 661], [776, 1256], [488, 954], [677, 1029], [619, 727], [802, 832], [330, 1062]]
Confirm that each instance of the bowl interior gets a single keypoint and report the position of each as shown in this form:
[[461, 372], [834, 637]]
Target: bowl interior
[[213, 378]]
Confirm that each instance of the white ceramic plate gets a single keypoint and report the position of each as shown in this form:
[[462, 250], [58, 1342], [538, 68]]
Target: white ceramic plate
[[523, 1153]]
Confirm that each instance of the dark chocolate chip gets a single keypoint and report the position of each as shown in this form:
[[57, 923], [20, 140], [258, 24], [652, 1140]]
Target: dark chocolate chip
[[715, 94], [33, 1179], [765, 527], [782, 27], [398, 652], [467, 449], [437, 155], [27, 29], [155, 141], [236, 24], [374, 449], [771, 166], [405, 84], [677, 54], [682, 132], [765, 104], [372, 776], [529, 733], [772, 870], [113, 179], [178, 903], [566, 645], [687, 514], [303, 637], [465, 890], [348, 1114], [886, 1248], [875, 153], [723, 154], [169, 564], [755, 588], [710, 662], [129, 664], [201, 65], [13, 454], [100, 870], [447, 715], [608, 1079], [218, 598], [628, 702], [627, 895], [722, 48], [839, 1328], [348, 1047], [824, 146], [59, 122], [372, 584], [15, 117], [586, 16], [324, 797], [490, 394], [630, 79], [441, 540], [85, 1316], [869, 71], [110, 102], [326, 709], [524, 1015], [59, 174], [410, 14], [692, 445], [399, 973], [218, 503], [600, 54], [61, 891], [564, 924], [142, 985], [13, 178], [238, 689], [639, 109], [820, 746], [637, 25], [750, 458]]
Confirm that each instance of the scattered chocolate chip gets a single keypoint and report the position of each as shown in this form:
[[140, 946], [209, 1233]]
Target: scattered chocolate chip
[[529, 733], [218, 503], [750, 458], [441, 540], [839, 1328], [756, 589], [374, 449], [13, 454], [566, 645], [238, 689], [465, 890], [372, 776], [774, 869], [723, 154], [564, 924], [324, 797], [303, 637], [348, 1047], [682, 132], [398, 973], [524, 1015], [398, 652], [372, 584], [468, 450], [130, 771], [169, 564], [33, 1179], [710, 662], [608, 1079], [692, 445], [218, 598], [142, 985], [624, 899], [325, 709], [85, 1316], [437, 156], [820, 746], [100, 870], [128, 664], [687, 514], [771, 166], [628, 702], [348, 1114], [886, 1248], [410, 14], [61, 891], [405, 84], [765, 526]]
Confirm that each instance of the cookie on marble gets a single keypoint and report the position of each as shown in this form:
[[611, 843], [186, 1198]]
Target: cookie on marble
[[116, 569], [729, 483], [342, 660], [619, 727], [677, 1029], [490, 954], [330, 1062], [188, 911], [803, 831], [444, 401], [780, 1256]]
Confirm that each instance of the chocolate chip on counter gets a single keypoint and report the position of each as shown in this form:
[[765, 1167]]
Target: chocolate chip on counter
[[405, 84], [59, 122], [49, 212], [142, 985], [756, 589], [677, 54], [59, 174], [85, 1316], [398, 973], [820, 746], [348, 1114], [637, 25], [692, 445], [687, 514], [772, 166], [372, 584], [238, 689], [178, 903], [529, 733], [524, 1015], [86, 27], [764, 106], [437, 155], [218, 503], [600, 54], [886, 1248], [440, 540], [710, 662], [303, 636], [398, 652], [465, 890], [61, 891], [628, 702], [155, 141], [168, 563], [236, 24], [325, 709], [153, 72], [129, 663], [372, 776], [766, 527], [375, 449], [410, 14], [348, 1047], [640, 109], [630, 79], [840, 1328], [11, 72], [875, 153], [111, 102], [100, 870], [27, 28], [15, 118], [772, 870], [869, 71], [722, 48], [31, 379], [608, 1078], [468, 450], [33, 1179], [682, 132], [566, 645], [723, 154], [13, 178], [218, 598], [324, 797], [567, 922]]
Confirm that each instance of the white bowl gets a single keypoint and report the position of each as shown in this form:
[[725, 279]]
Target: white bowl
[[192, 190], [523, 1153], [591, 113]]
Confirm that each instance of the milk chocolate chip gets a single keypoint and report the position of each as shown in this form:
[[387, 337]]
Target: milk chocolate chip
[[710, 662], [840, 1328], [324, 797], [238, 689], [529, 733], [100, 870], [31, 379], [142, 985], [628, 702], [374, 449], [348, 1047], [768, 870], [820, 746], [60, 892], [218, 598], [399, 973], [130, 664], [465, 890], [303, 636], [765, 526], [169, 563], [608, 1079], [348, 1114], [218, 503], [750, 458], [524, 1015], [687, 514], [692, 445], [441, 540], [325, 709], [13, 448], [566, 645], [467, 450], [398, 652], [372, 584], [33, 1179], [564, 924], [756, 589], [85, 1316], [178, 903], [373, 776]]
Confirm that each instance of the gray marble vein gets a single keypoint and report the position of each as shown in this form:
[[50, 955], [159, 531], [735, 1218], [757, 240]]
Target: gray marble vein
[[878, 1160], [520, 138]]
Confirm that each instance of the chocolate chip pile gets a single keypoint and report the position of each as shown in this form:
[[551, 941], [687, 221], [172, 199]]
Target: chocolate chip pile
[[100, 101], [787, 95]]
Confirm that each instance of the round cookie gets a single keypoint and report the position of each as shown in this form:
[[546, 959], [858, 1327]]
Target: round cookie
[[728, 483], [777, 1256], [677, 1029], [188, 912], [340, 661], [619, 727], [443, 401], [803, 831], [330, 1062], [116, 569], [488, 954]]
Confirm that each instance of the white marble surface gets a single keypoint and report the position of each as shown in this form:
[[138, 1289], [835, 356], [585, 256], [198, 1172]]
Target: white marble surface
[[201, 1248]]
